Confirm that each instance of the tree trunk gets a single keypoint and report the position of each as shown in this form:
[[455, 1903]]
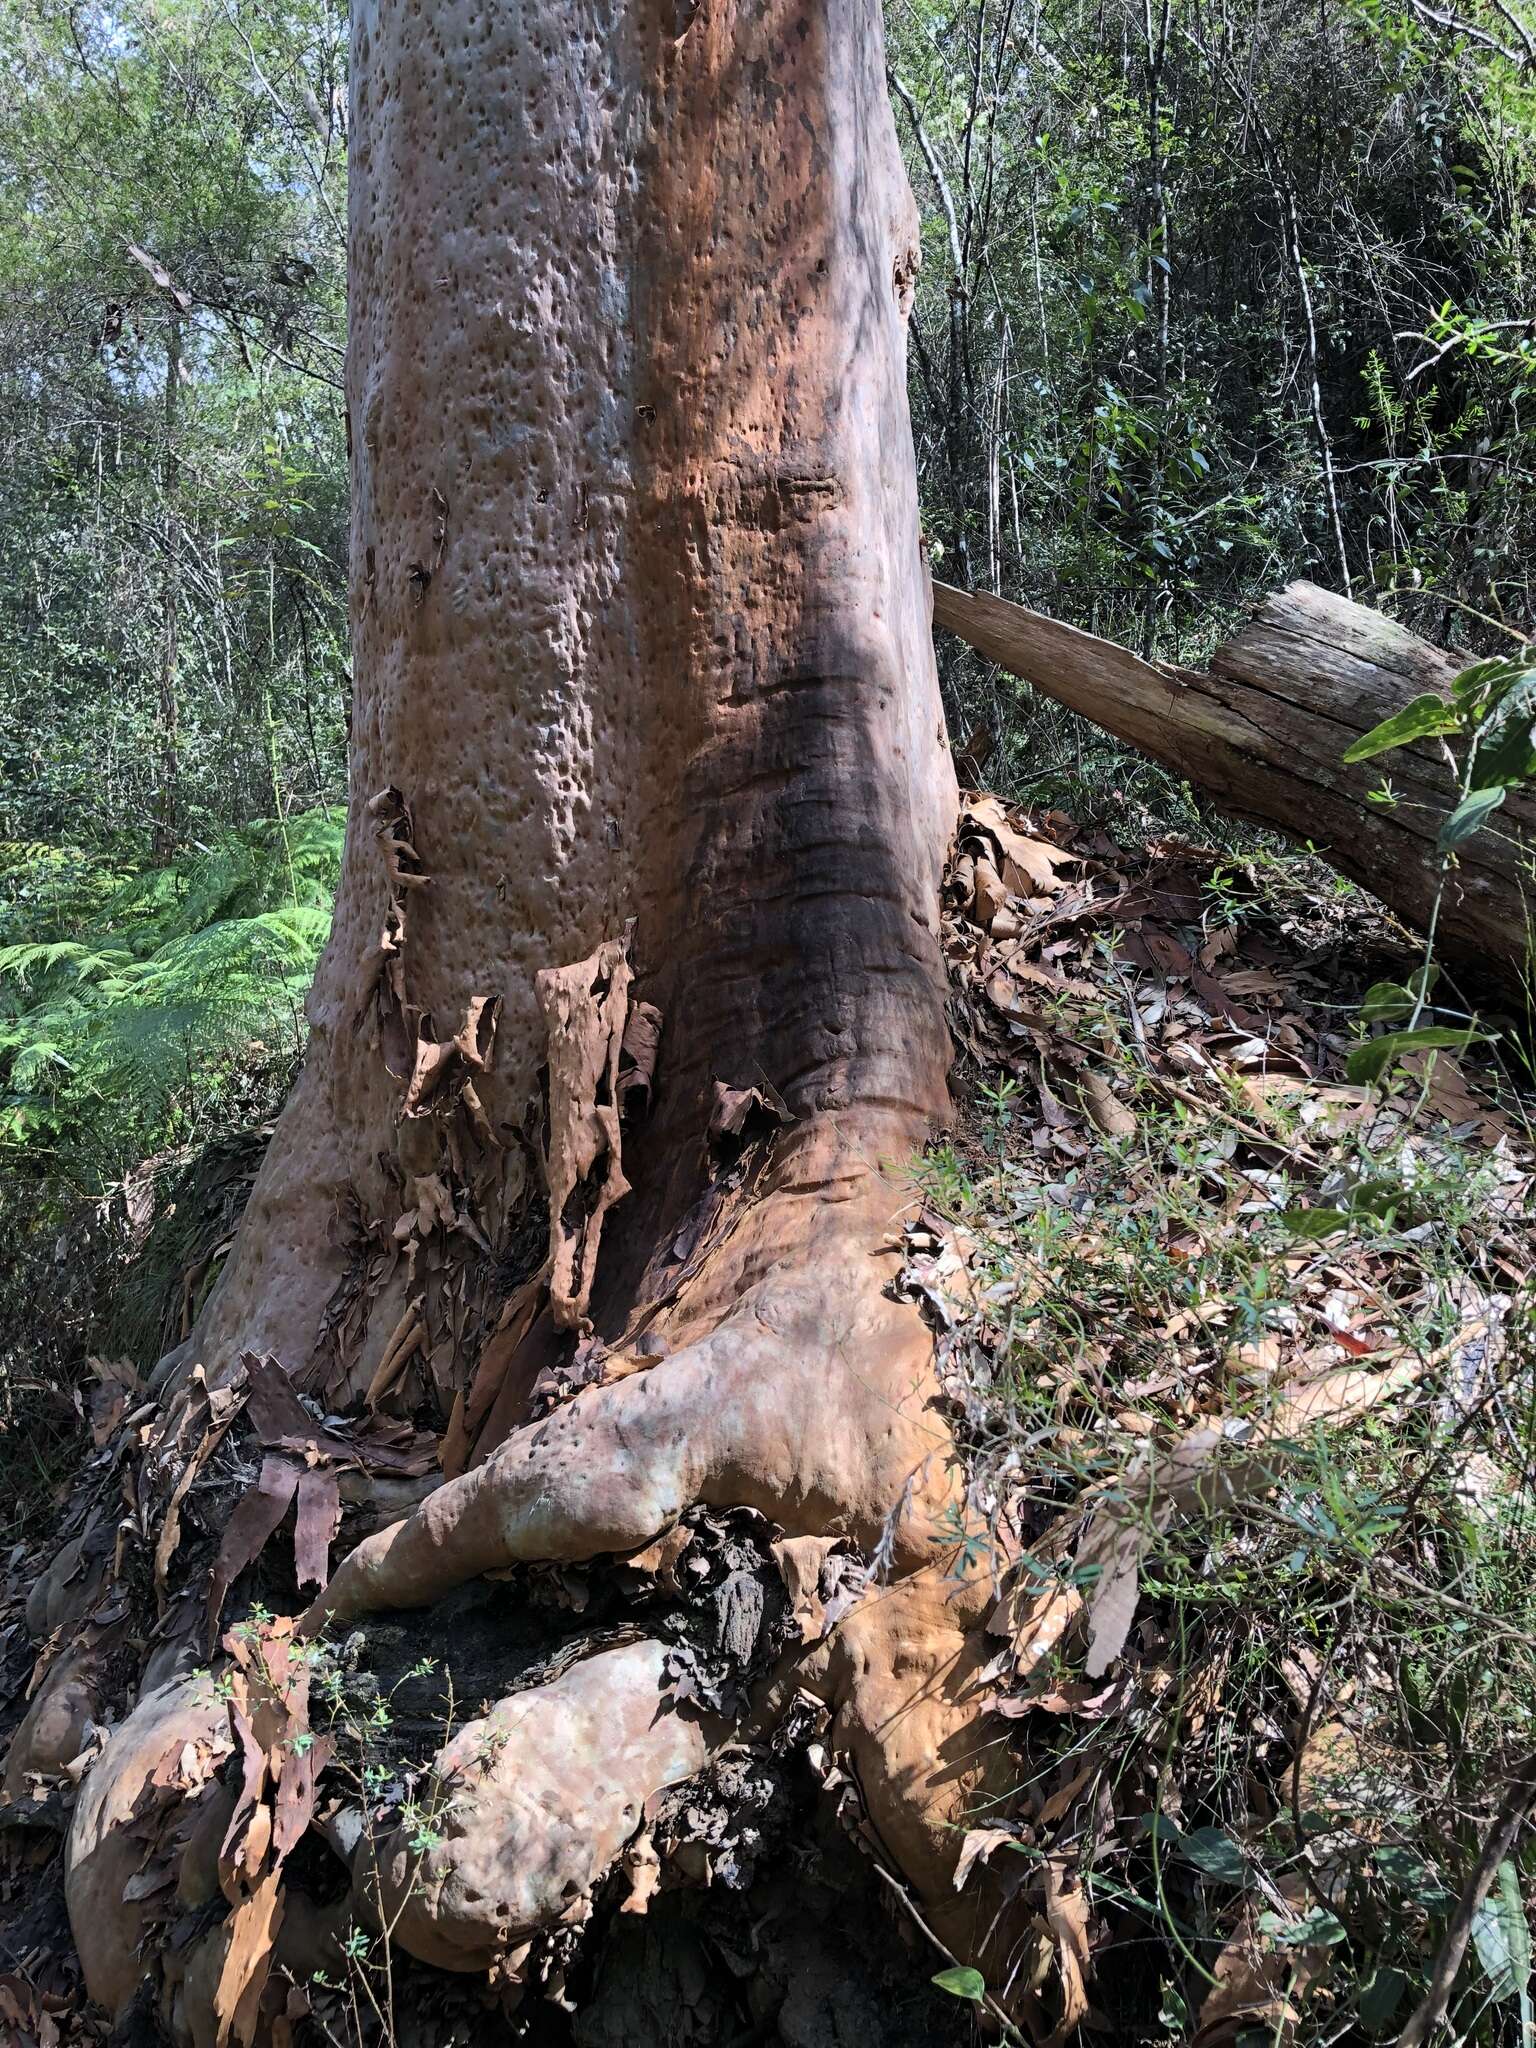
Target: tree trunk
[[1263, 734], [647, 737], [167, 705]]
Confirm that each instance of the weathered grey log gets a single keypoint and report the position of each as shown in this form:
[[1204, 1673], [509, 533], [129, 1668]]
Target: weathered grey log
[[1263, 733]]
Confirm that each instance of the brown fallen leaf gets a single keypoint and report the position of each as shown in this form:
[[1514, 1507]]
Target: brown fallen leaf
[[1256, 1985], [1060, 1802], [1251, 981], [1029, 865], [1105, 1109], [977, 1845], [1448, 1094], [1035, 1614], [1066, 1913]]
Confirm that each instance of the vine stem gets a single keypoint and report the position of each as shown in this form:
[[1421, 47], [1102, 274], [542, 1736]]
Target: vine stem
[[1463, 791]]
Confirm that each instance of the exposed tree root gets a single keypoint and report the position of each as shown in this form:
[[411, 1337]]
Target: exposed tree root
[[810, 1402], [799, 1389], [537, 1798]]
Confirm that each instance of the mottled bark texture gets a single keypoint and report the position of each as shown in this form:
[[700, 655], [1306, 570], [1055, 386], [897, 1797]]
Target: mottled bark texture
[[1263, 734], [642, 650]]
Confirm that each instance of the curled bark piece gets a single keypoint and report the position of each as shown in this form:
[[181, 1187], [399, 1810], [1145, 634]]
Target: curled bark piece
[[443, 1066], [257, 1515], [584, 1009], [534, 1805], [739, 1112], [637, 1060], [390, 816], [244, 1945], [315, 1522]]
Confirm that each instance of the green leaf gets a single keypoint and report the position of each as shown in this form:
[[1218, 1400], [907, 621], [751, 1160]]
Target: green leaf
[[1420, 720], [1413, 1876], [1385, 1002], [1216, 1855], [1162, 1830], [1314, 1224], [1376, 1197], [961, 1983], [1317, 1929], [1370, 1060], [1483, 682], [1469, 817], [1506, 744], [1380, 1996], [1174, 2013], [1502, 1938]]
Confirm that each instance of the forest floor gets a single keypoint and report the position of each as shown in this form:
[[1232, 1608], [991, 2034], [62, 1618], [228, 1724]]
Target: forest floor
[[1242, 1358]]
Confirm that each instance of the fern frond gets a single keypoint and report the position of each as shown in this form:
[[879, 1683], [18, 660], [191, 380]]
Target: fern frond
[[115, 1032], [87, 961]]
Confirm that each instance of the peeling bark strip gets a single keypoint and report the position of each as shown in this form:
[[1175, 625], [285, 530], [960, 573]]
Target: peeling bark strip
[[440, 1072], [1264, 733], [584, 1009]]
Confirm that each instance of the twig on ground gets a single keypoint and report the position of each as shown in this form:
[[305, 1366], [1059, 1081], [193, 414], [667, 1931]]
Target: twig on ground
[[1514, 1809], [1010, 2031]]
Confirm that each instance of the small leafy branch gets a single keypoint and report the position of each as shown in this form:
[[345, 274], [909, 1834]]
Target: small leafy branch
[[383, 1791], [394, 1801], [1487, 731]]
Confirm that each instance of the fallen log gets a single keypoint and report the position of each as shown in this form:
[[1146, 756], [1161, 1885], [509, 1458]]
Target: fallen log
[[1263, 733]]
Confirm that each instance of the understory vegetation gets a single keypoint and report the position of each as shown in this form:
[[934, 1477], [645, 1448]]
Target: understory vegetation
[[1244, 1357], [1214, 296]]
